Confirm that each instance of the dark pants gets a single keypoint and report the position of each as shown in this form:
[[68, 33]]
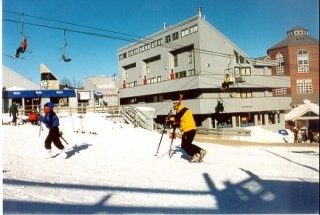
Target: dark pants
[[187, 145], [14, 118], [225, 85], [54, 137]]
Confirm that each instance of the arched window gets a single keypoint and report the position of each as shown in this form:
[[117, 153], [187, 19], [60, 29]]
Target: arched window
[[280, 67], [303, 61]]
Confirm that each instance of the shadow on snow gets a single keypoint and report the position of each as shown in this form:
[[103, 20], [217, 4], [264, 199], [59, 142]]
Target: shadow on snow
[[252, 195]]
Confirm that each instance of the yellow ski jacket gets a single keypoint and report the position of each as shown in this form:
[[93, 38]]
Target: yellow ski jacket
[[185, 117]]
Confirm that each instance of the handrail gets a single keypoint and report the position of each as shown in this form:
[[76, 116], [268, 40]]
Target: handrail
[[224, 132]]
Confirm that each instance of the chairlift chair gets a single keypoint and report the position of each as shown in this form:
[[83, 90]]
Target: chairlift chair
[[64, 56]]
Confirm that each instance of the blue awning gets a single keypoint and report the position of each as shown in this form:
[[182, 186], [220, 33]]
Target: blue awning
[[98, 94], [38, 94]]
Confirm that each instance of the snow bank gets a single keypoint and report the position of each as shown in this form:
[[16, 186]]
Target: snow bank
[[260, 135]]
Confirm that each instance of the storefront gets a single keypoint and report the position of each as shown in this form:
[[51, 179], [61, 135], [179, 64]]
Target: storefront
[[29, 100]]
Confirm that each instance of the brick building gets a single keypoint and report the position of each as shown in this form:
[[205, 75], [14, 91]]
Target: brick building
[[298, 57]]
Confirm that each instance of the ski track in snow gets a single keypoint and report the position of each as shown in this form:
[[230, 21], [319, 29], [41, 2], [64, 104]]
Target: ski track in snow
[[116, 171]]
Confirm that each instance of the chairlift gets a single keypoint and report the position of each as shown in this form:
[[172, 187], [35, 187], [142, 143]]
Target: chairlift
[[235, 76], [23, 45], [230, 72], [238, 77], [64, 49]]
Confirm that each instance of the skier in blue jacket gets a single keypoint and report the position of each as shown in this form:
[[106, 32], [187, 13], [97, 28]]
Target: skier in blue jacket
[[51, 121]]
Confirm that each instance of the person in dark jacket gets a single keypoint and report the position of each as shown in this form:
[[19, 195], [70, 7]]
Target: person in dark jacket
[[14, 112], [184, 119], [51, 121]]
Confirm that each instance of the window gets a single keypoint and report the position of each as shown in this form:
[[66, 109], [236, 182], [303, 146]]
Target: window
[[152, 80], [181, 74], [159, 78], [244, 93], [280, 67], [303, 61], [241, 59], [168, 38], [304, 86], [146, 47], [193, 29], [141, 49], [175, 60], [175, 36], [153, 44], [191, 72], [236, 56], [159, 42], [242, 71], [281, 91], [184, 32], [135, 51], [189, 57]]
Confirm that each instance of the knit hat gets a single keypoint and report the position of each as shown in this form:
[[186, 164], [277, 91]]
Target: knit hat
[[49, 105]]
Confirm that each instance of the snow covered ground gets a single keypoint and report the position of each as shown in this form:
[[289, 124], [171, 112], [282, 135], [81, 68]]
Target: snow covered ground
[[116, 171]]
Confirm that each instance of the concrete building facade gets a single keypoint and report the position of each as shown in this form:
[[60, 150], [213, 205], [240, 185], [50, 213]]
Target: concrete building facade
[[192, 58], [104, 90]]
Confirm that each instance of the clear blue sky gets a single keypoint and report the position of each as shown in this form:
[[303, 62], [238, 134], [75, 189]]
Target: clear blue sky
[[252, 25]]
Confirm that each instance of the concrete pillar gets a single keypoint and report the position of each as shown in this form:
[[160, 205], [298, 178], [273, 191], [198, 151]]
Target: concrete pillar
[[266, 119], [23, 106], [256, 120], [276, 118], [215, 123], [234, 121]]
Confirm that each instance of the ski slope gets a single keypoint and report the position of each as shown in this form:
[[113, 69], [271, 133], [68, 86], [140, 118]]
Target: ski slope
[[116, 171]]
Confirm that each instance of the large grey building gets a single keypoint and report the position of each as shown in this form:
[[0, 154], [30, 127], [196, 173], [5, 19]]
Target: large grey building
[[192, 58]]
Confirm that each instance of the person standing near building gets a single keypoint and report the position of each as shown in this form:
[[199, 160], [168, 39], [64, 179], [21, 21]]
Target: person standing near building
[[295, 133], [14, 112], [184, 120], [51, 121]]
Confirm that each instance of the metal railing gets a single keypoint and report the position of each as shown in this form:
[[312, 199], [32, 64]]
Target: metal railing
[[224, 132]]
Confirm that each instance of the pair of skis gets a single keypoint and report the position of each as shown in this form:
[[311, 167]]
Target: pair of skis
[[173, 136]]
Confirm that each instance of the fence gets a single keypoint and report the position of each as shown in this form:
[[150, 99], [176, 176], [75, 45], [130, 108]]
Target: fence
[[224, 132]]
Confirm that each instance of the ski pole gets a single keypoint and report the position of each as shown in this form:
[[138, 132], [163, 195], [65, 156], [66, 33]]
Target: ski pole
[[164, 128], [40, 129], [173, 136], [60, 134]]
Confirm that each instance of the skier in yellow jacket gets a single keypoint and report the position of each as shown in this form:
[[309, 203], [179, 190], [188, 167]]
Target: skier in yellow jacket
[[184, 119]]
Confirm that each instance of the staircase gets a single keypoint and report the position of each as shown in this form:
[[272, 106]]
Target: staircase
[[134, 116]]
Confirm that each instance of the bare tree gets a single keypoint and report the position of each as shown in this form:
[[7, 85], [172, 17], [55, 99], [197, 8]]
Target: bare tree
[[65, 81]]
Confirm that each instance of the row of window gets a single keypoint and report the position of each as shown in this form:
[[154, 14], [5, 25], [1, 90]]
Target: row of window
[[304, 86], [168, 38], [157, 79], [302, 62]]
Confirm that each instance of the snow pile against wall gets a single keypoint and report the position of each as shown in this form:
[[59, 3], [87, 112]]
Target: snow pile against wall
[[260, 135]]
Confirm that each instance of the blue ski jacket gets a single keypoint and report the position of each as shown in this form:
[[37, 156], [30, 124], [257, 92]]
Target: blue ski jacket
[[51, 119]]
